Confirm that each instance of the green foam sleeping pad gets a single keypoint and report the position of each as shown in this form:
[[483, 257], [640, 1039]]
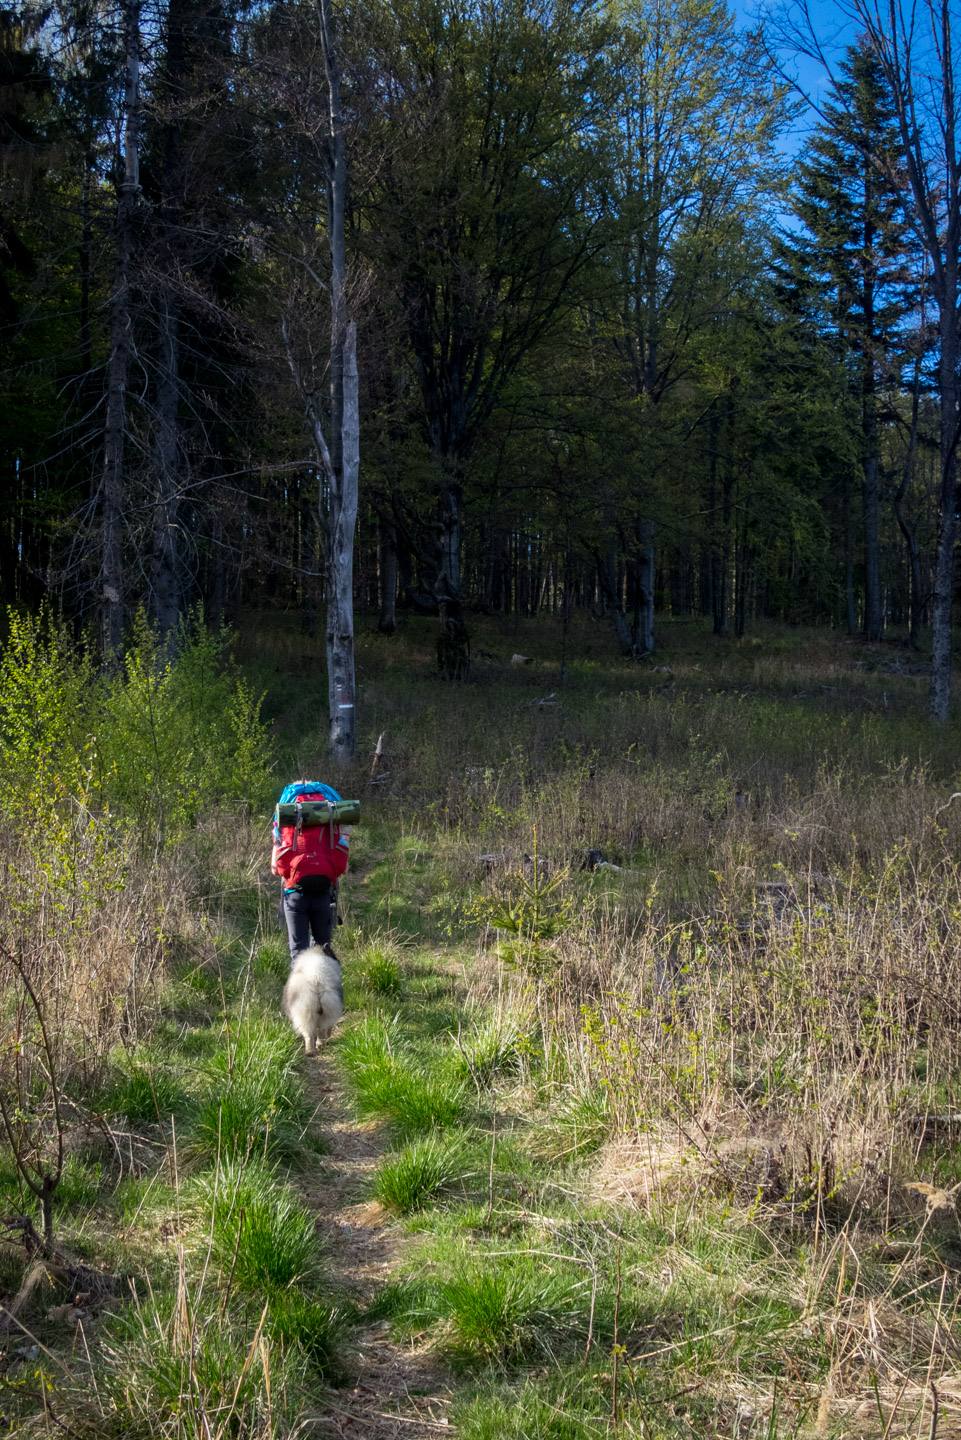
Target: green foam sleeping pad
[[319, 812]]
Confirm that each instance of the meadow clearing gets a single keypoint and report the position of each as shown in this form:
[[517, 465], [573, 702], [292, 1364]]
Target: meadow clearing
[[643, 1118]]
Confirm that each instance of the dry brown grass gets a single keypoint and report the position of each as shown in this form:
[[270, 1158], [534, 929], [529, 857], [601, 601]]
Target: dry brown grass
[[87, 929]]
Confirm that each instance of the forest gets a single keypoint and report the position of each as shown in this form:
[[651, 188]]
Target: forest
[[539, 420], [640, 327]]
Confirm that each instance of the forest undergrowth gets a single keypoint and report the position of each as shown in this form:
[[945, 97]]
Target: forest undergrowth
[[653, 991]]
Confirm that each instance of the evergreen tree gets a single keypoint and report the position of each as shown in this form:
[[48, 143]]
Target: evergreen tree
[[858, 270]]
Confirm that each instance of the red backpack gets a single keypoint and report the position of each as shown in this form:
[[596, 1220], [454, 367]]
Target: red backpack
[[311, 856]]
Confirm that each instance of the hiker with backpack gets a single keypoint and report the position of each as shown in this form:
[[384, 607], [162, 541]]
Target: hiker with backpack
[[310, 853]]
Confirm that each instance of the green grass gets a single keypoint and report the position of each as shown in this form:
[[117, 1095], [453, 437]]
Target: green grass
[[573, 1404], [579, 1122], [174, 1367], [520, 1232], [507, 1309], [311, 1327], [494, 1045], [420, 1174], [253, 1099], [143, 1086], [381, 969], [388, 1081], [261, 1233], [272, 958], [513, 1308]]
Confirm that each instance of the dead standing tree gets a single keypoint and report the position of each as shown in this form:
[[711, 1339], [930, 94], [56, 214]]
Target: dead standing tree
[[335, 429]]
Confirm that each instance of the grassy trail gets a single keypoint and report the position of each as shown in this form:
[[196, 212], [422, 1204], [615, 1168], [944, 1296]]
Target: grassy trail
[[396, 1391], [661, 1148]]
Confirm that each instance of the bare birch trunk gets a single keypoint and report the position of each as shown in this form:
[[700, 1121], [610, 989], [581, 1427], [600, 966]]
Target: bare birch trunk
[[121, 351], [342, 523], [342, 461]]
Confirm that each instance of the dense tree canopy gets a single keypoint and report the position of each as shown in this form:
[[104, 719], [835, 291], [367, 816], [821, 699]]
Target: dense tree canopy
[[618, 345]]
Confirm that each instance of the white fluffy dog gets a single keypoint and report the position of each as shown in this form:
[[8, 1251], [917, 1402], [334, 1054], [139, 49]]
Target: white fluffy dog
[[314, 994]]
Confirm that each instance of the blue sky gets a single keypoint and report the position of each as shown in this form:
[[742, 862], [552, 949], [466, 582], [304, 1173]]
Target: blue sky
[[834, 30]]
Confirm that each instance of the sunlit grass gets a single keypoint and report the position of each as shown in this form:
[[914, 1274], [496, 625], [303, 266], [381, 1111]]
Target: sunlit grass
[[418, 1175]]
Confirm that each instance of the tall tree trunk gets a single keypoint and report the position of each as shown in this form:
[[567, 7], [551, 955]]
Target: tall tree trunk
[[566, 603], [216, 606], [308, 561], [950, 393], [387, 622], [340, 566], [916, 598], [449, 538], [710, 549], [166, 303], [453, 643], [849, 611], [165, 572], [340, 459], [742, 562], [722, 579], [86, 230], [642, 630], [928, 173], [121, 349], [873, 613], [607, 581]]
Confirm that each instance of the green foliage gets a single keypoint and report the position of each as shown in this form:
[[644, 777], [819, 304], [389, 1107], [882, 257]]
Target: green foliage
[[260, 1231], [47, 693], [382, 970], [180, 735], [156, 744], [494, 1045], [253, 1096], [414, 1177], [389, 1080]]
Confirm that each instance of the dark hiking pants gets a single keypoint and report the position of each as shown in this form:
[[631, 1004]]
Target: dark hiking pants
[[306, 916]]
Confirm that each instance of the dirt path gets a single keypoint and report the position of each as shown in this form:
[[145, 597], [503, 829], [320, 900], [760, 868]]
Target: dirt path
[[397, 1390]]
